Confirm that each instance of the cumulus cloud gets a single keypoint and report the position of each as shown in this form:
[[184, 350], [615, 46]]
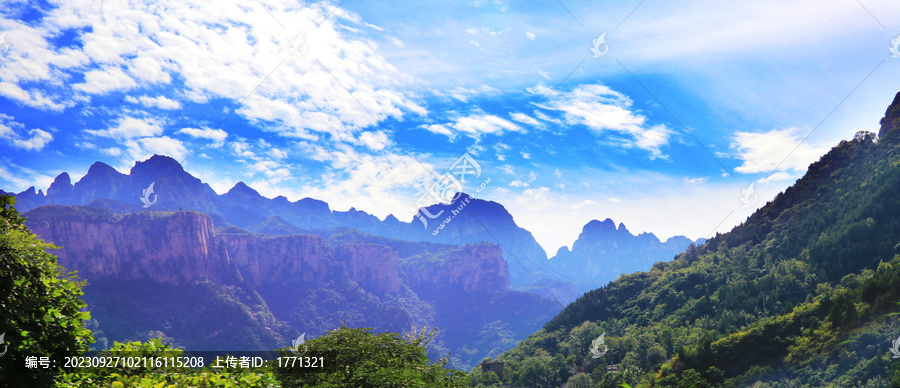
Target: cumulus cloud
[[216, 51], [604, 110], [476, 125], [159, 102], [367, 181], [18, 136], [524, 119], [141, 149], [375, 141], [775, 150], [217, 136], [131, 127]]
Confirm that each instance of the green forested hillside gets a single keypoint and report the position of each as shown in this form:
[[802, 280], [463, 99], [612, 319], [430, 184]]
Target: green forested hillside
[[804, 293]]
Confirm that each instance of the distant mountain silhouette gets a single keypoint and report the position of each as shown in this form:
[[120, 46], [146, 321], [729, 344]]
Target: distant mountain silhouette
[[602, 252]]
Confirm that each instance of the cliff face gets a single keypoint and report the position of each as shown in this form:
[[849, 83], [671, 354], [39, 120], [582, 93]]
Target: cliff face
[[891, 118], [178, 248], [183, 247], [143, 271], [472, 268], [375, 268], [280, 259]]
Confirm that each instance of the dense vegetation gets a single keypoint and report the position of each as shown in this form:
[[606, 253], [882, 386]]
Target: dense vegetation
[[804, 293], [41, 306]]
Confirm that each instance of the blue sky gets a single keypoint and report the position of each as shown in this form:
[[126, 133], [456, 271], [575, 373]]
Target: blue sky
[[365, 104]]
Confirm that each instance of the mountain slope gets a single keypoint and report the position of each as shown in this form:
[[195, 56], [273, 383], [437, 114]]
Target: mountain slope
[[801, 294]]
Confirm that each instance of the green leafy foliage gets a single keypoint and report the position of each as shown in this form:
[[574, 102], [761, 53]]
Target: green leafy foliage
[[364, 359], [801, 294], [42, 312]]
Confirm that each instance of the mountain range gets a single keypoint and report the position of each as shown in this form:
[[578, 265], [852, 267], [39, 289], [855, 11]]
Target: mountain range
[[596, 257], [164, 255]]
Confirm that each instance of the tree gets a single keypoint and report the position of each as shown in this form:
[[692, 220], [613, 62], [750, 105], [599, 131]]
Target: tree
[[580, 380], [360, 358], [656, 355], [41, 304], [535, 372]]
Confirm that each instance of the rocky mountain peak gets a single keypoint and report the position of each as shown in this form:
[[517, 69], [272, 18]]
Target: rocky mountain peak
[[100, 169], [157, 165], [241, 188], [62, 185], [595, 227], [891, 118]]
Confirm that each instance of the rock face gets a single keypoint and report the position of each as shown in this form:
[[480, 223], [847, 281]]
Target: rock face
[[470, 269], [179, 248], [375, 268], [279, 259], [183, 247], [891, 120], [151, 271]]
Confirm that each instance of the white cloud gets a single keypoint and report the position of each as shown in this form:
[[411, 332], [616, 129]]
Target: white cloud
[[602, 109], [694, 180], [141, 149], [27, 139], [130, 128], [33, 98], [529, 35], [218, 51], [582, 204], [159, 102], [767, 152], [478, 124], [372, 182], [217, 136], [112, 151], [518, 183], [536, 198], [375, 141], [543, 117], [615, 200], [525, 119], [776, 177], [16, 178], [440, 129], [105, 80]]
